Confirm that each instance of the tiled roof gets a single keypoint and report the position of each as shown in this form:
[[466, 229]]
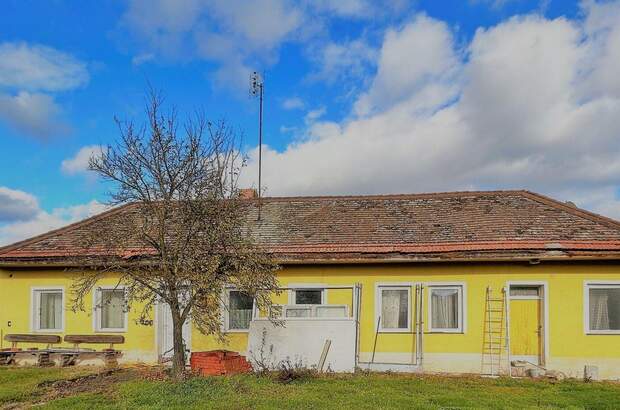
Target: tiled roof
[[439, 226]]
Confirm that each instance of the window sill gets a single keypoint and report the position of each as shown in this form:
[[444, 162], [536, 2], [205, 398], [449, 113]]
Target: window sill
[[394, 330], [48, 331], [448, 331], [236, 330], [603, 332], [110, 330]]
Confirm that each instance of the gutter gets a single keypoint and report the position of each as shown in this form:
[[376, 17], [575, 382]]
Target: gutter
[[529, 259], [533, 260]]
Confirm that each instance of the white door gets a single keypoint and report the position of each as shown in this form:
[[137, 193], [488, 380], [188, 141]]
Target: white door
[[165, 345]]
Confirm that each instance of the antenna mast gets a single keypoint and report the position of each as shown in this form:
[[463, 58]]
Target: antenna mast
[[256, 90]]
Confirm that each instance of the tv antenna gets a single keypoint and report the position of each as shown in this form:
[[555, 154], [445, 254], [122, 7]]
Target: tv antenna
[[257, 87]]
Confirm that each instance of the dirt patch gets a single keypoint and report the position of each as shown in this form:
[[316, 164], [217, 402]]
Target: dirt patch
[[103, 382]]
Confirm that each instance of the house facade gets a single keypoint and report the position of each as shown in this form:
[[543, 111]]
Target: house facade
[[464, 282]]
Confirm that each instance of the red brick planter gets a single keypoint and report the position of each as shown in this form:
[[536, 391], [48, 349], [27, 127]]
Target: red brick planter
[[219, 362]]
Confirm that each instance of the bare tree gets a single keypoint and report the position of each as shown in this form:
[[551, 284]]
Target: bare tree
[[184, 237]]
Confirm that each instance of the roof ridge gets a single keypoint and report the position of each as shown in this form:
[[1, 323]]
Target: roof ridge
[[392, 196], [575, 210], [63, 229]]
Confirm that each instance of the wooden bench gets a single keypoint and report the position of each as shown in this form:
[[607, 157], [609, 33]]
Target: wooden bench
[[32, 356], [111, 340], [82, 356], [49, 340]]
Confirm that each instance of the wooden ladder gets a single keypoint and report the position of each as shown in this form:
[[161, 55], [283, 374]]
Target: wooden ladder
[[494, 339]]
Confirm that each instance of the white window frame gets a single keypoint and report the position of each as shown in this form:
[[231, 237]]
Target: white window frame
[[379, 287], [97, 311], [462, 303], [35, 304], [597, 284], [226, 316], [294, 287], [312, 309]]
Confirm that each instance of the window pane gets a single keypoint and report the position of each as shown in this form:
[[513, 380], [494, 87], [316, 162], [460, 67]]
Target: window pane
[[445, 308], [308, 297], [394, 309], [525, 291], [298, 312], [605, 309], [240, 308], [112, 309], [331, 311], [50, 310]]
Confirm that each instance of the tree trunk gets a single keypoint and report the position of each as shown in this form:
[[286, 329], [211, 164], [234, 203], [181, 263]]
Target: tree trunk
[[178, 358]]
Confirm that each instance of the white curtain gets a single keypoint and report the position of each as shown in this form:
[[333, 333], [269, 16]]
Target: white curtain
[[112, 309], [394, 309], [240, 319], [599, 309], [50, 311], [445, 314]]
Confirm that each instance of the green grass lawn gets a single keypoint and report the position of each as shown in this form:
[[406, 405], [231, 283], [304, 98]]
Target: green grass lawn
[[135, 389]]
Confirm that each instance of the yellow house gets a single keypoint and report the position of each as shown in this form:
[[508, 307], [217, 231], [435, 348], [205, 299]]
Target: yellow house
[[464, 282]]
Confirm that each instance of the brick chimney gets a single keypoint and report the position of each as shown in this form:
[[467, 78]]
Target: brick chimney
[[248, 193]]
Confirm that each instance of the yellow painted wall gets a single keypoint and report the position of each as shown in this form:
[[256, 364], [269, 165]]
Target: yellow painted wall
[[15, 306], [568, 342], [565, 299]]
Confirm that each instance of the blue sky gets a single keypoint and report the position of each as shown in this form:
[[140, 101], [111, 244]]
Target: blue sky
[[361, 96]]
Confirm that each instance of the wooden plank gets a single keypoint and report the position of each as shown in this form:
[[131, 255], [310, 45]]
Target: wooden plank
[[25, 338], [108, 339], [326, 346]]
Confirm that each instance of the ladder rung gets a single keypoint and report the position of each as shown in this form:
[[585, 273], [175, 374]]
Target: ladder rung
[[495, 300], [495, 310]]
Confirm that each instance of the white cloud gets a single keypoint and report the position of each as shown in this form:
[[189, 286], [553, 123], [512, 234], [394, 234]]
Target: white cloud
[[293, 103], [349, 60], [313, 115], [142, 58], [241, 36], [366, 9], [232, 33], [79, 162], [344, 8], [496, 4], [261, 25], [39, 68], [17, 205], [418, 59], [43, 221], [528, 103], [29, 73], [34, 114]]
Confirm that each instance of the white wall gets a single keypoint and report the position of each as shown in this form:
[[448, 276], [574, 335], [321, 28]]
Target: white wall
[[303, 340]]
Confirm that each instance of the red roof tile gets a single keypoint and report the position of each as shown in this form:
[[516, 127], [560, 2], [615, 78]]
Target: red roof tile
[[451, 225]]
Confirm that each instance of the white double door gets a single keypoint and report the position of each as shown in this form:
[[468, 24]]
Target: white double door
[[165, 336]]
